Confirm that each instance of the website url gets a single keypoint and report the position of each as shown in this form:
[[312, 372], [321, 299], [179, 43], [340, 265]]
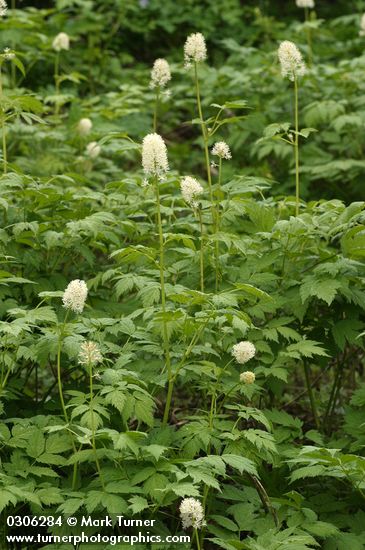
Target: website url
[[110, 539]]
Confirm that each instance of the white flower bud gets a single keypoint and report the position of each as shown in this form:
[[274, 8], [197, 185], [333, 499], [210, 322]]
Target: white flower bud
[[61, 42], [247, 377], [93, 149], [84, 126], [305, 4]]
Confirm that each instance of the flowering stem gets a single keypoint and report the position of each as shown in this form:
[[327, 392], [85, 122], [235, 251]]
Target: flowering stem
[[163, 305], [296, 145], [205, 141], [217, 225], [309, 37], [93, 424], [310, 393], [197, 539], [12, 68], [3, 128], [57, 80], [155, 113], [226, 395], [59, 382], [213, 406], [264, 497], [201, 250], [59, 379]]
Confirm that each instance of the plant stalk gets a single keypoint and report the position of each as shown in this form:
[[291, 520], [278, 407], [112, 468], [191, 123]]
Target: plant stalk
[[201, 250], [205, 142], [155, 113], [296, 146], [311, 395], [163, 306], [93, 425], [216, 247]]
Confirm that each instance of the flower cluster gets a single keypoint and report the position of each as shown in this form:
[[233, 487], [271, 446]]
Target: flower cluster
[[160, 74], [75, 295], [243, 351], [195, 49], [61, 42], [3, 8], [84, 126], [192, 513], [291, 60], [221, 150], [154, 155], [93, 149], [247, 377], [8, 54], [89, 354], [191, 190], [305, 4]]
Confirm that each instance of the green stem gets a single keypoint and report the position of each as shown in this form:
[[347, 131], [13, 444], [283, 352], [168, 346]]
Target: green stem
[[213, 407], [201, 250], [213, 412], [3, 128], [205, 141], [12, 68], [337, 387], [264, 497], [309, 37], [57, 80], [59, 378], [93, 425], [197, 540], [332, 395], [60, 391], [227, 394], [310, 393], [216, 248], [163, 306], [296, 146], [155, 113]]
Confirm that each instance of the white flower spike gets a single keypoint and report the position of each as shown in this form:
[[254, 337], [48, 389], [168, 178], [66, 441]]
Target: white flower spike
[[221, 150], [75, 295], [195, 49], [61, 42], [160, 74], [89, 354], [191, 190], [305, 4], [192, 513], [154, 155], [291, 60]]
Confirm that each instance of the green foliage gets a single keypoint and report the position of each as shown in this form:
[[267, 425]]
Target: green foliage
[[277, 464]]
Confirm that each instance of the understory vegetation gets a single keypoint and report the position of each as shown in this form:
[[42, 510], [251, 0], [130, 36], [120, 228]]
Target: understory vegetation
[[182, 271]]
